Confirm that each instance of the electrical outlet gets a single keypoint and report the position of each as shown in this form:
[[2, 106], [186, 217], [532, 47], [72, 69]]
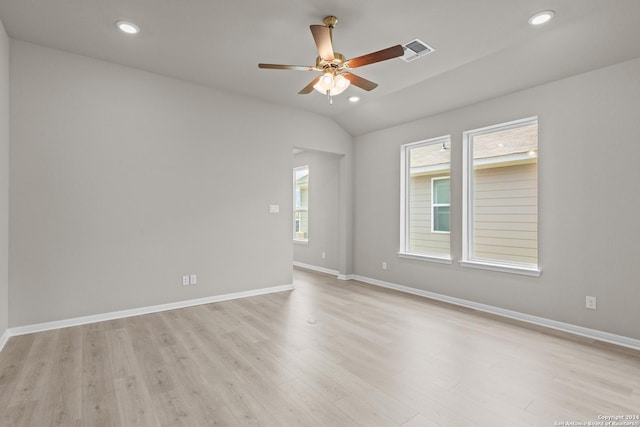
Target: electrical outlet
[[591, 303], [185, 280], [384, 265], [193, 279]]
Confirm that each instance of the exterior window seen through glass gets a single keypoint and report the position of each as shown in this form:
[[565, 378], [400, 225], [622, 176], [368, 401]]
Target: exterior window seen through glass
[[440, 204]]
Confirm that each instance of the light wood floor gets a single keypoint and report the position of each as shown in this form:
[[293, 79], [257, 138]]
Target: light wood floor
[[330, 353]]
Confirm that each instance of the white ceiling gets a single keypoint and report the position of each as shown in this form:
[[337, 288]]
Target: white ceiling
[[484, 48]]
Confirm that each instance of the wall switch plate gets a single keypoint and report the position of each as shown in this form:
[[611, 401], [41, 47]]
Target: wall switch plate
[[185, 280], [591, 303], [324, 255], [193, 279], [384, 265]]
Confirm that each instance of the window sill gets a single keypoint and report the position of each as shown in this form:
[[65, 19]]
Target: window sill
[[503, 268], [301, 242], [444, 259]]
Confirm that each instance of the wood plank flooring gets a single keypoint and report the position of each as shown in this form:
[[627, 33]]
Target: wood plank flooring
[[330, 353]]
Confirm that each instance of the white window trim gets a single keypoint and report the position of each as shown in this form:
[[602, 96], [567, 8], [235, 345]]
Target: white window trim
[[467, 215], [521, 269], [404, 202], [296, 210], [434, 205], [444, 259]]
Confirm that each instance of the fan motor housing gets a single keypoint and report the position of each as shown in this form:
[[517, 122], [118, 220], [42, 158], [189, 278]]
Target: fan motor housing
[[339, 59]]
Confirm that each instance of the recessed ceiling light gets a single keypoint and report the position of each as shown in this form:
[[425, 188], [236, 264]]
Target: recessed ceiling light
[[128, 27], [354, 99], [541, 17]]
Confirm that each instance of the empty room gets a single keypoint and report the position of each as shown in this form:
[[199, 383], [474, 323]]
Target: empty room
[[288, 213]]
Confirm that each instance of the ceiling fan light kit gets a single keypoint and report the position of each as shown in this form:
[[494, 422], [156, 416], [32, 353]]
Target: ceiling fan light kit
[[335, 68], [335, 85]]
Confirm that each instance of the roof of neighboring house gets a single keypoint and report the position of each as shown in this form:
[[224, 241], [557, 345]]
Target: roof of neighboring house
[[511, 141], [495, 144], [429, 155]]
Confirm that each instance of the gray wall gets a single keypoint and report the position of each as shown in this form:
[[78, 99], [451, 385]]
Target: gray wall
[[324, 201], [4, 180], [588, 202], [122, 181]]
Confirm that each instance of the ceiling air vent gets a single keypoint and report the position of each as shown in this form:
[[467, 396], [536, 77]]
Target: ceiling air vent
[[415, 49]]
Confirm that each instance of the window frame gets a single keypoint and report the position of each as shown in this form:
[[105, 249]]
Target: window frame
[[405, 168], [295, 207], [468, 260]]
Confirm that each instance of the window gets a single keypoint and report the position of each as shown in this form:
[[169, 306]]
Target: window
[[500, 205], [440, 191], [301, 204], [425, 205]]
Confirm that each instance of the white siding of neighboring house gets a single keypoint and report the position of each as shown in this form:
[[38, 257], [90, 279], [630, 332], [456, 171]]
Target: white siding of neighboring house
[[505, 213], [421, 238]]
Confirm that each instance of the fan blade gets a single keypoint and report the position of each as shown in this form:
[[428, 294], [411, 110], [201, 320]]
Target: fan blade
[[286, 67], [322, 37], [372, 58], [308, 88], [360, 82]]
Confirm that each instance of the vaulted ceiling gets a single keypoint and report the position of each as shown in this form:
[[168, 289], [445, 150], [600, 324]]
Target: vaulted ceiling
[[483, 48]]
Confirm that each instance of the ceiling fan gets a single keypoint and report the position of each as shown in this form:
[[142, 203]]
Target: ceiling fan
[[335, 68]]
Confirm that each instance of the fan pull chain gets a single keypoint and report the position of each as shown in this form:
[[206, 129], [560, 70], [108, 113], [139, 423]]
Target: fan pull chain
[[329, 97]]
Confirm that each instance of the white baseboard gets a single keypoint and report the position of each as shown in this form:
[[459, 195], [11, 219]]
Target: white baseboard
[[47, 326], [315, 268], [3, 339], [324, 270], [540, 321]]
